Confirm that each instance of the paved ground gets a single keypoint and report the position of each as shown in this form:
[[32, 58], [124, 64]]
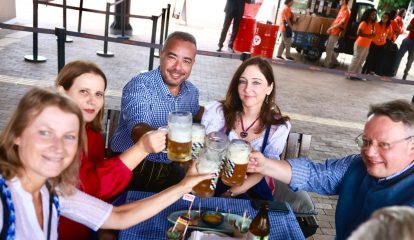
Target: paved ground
[[327, 106]]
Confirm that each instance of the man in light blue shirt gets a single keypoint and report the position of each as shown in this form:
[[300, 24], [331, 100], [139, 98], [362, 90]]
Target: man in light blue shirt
[[381, 175], [146, 102]]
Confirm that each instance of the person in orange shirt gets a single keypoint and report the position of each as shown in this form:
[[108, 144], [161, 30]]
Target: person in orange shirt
[[396, 31], [286, 22], [375, 60], [334, 31], [400, 19], [365, 33]]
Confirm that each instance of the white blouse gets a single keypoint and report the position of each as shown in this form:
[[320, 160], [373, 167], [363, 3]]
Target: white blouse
[[79, 207], [213, 119]]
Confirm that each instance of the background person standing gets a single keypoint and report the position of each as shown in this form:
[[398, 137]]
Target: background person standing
[[234, 12], [285, 27], [365, 33], [407, 45], [334, 31]]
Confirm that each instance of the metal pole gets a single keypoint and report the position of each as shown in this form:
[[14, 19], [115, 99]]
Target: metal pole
[[153, 36], [35, 58], [162, 26], [68, 40], [245, 55], [105, 52], [61, 36], [161, 31], [80, 15], [167, 24]]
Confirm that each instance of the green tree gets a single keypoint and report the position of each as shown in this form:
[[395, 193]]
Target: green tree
[[388, 5]]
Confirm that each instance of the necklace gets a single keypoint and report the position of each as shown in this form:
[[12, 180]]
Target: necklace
[[244, 133]]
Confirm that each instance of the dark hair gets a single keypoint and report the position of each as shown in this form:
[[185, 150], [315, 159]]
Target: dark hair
[[389, 19], [270, 113], [401, 12], [67, 77], [181, 36], [397, 111], [30, 106], [393, 14], [288, 1], [366, 15]]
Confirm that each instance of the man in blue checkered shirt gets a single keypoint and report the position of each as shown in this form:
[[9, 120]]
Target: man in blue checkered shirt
[[381, 175], [146, 102]]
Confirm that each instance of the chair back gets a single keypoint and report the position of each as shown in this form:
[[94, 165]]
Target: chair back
[[111, 121]]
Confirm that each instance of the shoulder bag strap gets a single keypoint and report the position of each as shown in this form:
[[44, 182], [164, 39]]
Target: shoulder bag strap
[[265, 139]]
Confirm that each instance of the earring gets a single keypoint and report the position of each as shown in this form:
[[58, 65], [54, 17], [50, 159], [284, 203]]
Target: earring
[[267, 99]]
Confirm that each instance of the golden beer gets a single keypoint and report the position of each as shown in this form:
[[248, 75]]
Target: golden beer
[[235, 164], [178, 152], [179, 136]]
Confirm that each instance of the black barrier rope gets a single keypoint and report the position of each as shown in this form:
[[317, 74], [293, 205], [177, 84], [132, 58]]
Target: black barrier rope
[[241, 56], [93, 10], [105, 53]]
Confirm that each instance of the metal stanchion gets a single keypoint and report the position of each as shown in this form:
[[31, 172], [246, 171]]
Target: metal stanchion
[[245, 55], [167, 23], [35, 58], [161, 32], [61, 36], [123, 20], [105, 52], [80, 15], [68, 40], [153, 36]]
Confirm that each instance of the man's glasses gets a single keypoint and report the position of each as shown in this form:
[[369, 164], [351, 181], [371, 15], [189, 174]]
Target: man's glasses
[[365, 143]]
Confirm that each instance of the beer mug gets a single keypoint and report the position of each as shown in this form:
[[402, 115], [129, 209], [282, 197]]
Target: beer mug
[[198, 134], [179, 136], [210, 160], [235, 163]]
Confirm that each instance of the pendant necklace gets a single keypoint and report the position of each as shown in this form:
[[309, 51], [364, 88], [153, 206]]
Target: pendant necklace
[[244, 133]]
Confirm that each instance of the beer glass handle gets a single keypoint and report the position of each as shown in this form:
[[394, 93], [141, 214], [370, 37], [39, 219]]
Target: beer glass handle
[[164, 128]]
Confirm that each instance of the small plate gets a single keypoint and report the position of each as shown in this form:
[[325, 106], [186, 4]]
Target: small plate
[[225, 227]]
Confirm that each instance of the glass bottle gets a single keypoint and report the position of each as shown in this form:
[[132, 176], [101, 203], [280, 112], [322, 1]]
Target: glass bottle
[[260, 227]]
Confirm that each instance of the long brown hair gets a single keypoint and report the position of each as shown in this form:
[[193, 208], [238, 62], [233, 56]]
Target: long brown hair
[[30, 106], [70, 72], [270, 113]]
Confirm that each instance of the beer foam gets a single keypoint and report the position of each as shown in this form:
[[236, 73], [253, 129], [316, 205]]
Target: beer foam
[[180, 136], [198, 133], [197, 138], [238, 153]]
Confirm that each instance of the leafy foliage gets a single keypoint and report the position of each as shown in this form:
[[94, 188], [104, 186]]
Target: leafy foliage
[[388, 5]]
